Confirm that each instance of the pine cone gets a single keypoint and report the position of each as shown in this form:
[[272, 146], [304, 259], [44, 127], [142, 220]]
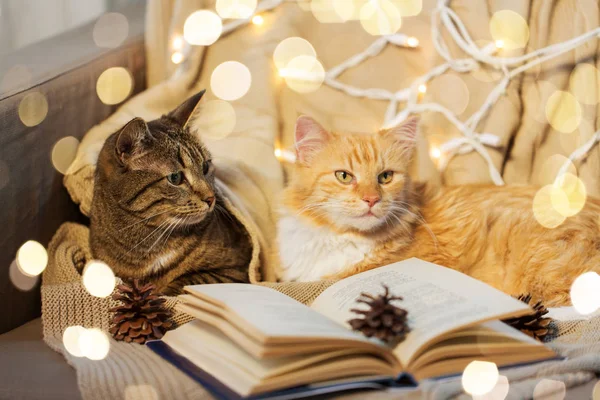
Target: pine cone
[[142, 316], [382, 320], [534, 325]]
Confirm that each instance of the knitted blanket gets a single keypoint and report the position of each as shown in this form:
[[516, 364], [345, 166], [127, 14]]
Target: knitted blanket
[[131, 371]]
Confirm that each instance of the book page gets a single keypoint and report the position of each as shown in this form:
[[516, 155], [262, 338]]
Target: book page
[[438, 300], [272, 313]]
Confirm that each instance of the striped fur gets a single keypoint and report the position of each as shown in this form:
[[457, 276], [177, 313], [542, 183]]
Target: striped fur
[[487, 232], [145, 227]]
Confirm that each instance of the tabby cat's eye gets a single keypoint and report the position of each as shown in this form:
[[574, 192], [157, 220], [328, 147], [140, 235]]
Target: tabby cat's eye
[[176, 178], [206, 167], [344, 177], [385, 177]]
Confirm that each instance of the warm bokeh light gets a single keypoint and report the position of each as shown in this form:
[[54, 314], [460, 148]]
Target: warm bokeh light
[[408, 8], [412, 42], [114, 85], [509, 29], [450, 83], [304, 74], [111, 30], [33, 109], [552, 167], [380, 18], [435, 153], [32, 258], [479, 377], [331, 11], [202, 28], [176, 58], [584, 83], [285, 155], [177, 43], [290, 48], [63, 153], [541, 90], [498, 392], [563, 111], [574, 198], [585, 293], [543, 210], [94, 344], [258, 20], [230, 80], [71, 337], [216, 120], [346, 10], [422, 88], [549, 389], [20, 280], [235, 9], [98, 279]]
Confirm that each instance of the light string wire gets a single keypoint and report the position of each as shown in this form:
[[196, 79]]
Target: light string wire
[[444, 16]]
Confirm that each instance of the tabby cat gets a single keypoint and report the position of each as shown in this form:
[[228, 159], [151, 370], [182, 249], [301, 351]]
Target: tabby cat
[[351, 206], [157, 214]]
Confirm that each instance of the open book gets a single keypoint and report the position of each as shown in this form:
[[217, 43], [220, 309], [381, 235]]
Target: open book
[[250, 340]]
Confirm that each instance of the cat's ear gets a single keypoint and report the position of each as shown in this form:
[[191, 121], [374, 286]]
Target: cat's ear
[[310, 137], [405, 134], [187, 110], [130, 138]]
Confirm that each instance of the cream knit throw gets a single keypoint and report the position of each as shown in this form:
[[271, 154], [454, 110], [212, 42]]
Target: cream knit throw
[[131, 371]]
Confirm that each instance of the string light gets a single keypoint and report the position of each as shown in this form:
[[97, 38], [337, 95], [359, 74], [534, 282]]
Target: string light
[[422, 88], [444, 17], [412, 42], [285, 155], [258, 20], [435, 153], [177, 43], [177, 58]]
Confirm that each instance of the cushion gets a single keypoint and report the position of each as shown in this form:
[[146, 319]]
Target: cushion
[[31, 370]]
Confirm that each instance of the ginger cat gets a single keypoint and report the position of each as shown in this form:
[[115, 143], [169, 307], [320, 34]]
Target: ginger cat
[[351, 207]]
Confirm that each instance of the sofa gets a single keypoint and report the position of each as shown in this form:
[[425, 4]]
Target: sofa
[[34, 201]]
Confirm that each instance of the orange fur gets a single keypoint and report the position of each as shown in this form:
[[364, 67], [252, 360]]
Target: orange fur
[[487, 232]]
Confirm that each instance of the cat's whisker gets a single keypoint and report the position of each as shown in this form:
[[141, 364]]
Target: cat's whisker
[[173, 229], [161, 235], [146, 219], [164, 223]]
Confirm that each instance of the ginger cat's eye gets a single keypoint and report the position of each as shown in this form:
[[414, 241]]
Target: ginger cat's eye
[[385, 177], [344, 177], [176, 178]]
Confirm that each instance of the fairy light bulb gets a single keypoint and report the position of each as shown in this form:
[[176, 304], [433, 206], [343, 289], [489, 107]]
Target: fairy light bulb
[[177, 58], [435, 153], [412, 42], [278, 154], [258, 20], [422, 88], [499, 44], [177, 43]]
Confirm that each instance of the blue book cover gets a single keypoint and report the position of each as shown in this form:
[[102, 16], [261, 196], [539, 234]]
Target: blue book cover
[[221, 391]]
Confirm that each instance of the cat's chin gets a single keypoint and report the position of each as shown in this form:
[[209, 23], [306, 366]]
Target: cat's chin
[[364, 223]]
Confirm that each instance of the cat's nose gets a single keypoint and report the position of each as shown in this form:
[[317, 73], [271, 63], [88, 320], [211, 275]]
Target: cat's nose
[[371, 199], [209, 200]]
